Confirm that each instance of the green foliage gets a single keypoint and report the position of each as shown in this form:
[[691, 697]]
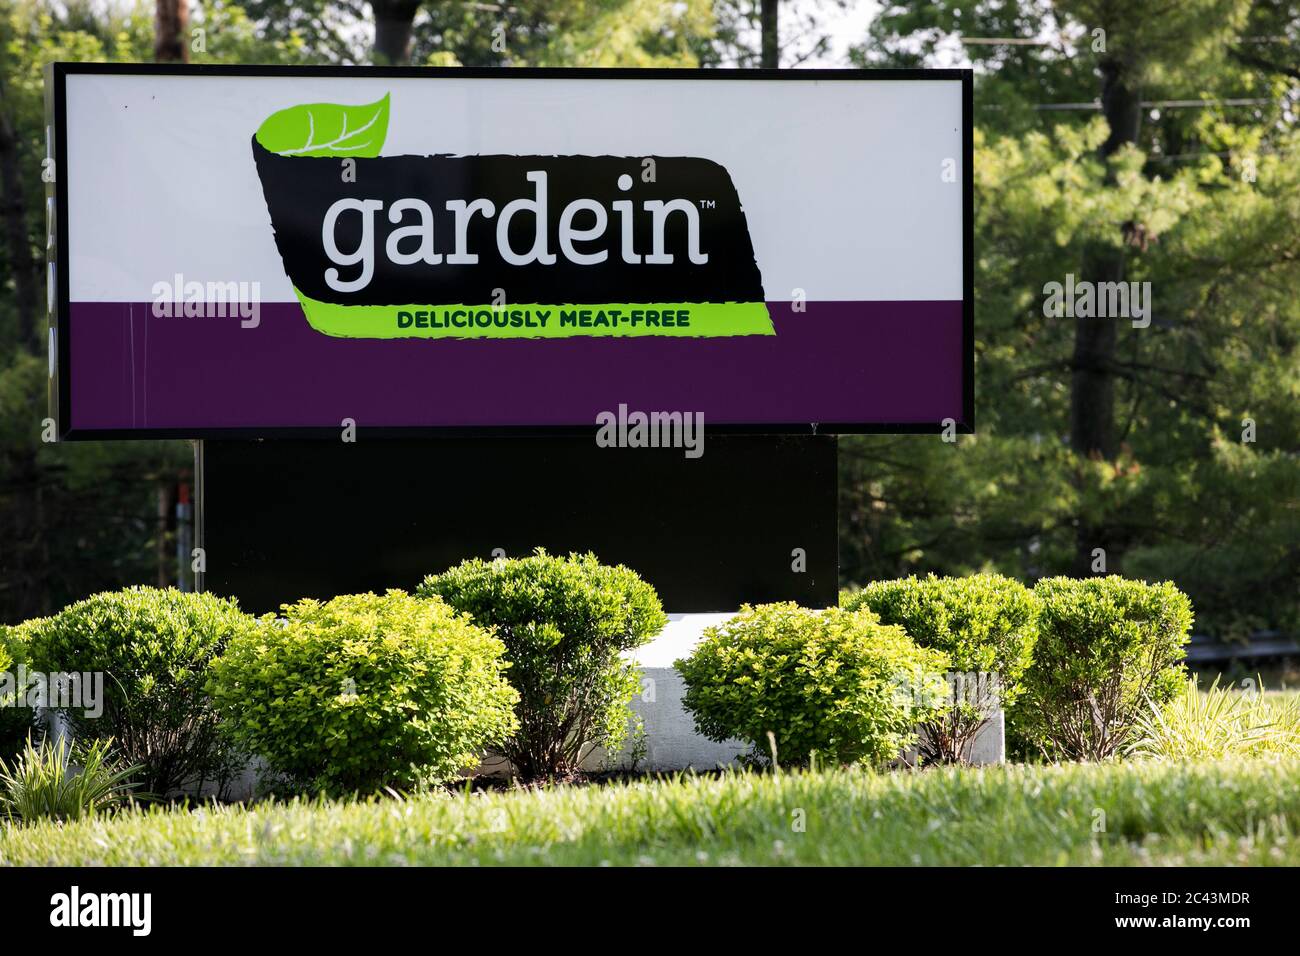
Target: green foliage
[[365, 691], [622, 33], [53, 781], [1217, 724], [1106, 647], [831, 685], [155, 648], [76, 518], [566, 623], [1242, 564], [630, 33], [1217, 190], [986, 624], [234, 35], [17, 720]]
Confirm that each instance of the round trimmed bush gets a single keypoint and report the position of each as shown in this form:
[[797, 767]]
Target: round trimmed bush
[[17, 720], [987, 624], [566, 623], [365, 691], [835, 683], [154, 648], [1107, 649]]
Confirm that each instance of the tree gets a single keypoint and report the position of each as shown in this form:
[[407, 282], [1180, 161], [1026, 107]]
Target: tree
[[766, 33], [393, 19], [171, 24], [1100, 444], [514, 33], [79, 518], [769, 18], [13, 200], [74, 518]]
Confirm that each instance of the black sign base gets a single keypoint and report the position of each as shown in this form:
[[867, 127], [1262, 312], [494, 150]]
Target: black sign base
[[752, 520]]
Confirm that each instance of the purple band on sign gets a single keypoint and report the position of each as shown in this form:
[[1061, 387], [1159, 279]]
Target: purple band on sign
[[898, 362]]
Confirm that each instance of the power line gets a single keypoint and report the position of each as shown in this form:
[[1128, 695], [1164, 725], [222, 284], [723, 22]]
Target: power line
[[1005, 41], [1029, 41], [1190, 104], [1147, 104]]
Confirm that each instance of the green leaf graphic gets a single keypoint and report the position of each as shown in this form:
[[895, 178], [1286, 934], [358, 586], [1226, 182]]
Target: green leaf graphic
[[326, 129]]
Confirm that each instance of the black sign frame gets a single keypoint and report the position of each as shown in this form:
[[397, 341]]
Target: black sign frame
[[56, 131]]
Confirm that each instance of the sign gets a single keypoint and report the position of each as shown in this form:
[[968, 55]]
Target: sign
[[264, 251]]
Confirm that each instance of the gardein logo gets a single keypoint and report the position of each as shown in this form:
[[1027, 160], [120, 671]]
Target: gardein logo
[[396, 246]]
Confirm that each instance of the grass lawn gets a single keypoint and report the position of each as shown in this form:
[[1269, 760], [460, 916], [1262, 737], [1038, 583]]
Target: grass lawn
[[1165, 813]]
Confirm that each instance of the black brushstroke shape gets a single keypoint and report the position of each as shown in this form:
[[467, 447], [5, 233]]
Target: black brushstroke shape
[[300, 189]]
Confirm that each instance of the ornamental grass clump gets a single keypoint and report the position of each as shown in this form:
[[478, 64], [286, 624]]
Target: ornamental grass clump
[[1218, 723], [53, 781]]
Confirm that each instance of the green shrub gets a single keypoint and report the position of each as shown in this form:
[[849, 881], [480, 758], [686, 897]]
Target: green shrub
[[1106, 646], [17, 720], [835, 683], [365, 691], [566, 623], [52, 781], [986, 624], [154, 648], [1218, 723]]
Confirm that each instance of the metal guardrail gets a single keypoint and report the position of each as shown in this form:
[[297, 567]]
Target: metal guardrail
[[1204, 649]]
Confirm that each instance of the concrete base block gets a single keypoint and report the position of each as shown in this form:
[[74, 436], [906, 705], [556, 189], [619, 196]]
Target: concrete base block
[[990, 744], [988, 747], [669, 740]]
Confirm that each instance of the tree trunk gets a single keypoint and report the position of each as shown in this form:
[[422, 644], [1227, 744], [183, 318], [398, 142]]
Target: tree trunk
[[1121, 104], [1092, 386], [162, 547], [17, 239], [393, 19], [770, 56], [171, 24]]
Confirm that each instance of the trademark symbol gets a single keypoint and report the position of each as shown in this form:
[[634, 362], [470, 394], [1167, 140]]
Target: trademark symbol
[[708, 204]]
